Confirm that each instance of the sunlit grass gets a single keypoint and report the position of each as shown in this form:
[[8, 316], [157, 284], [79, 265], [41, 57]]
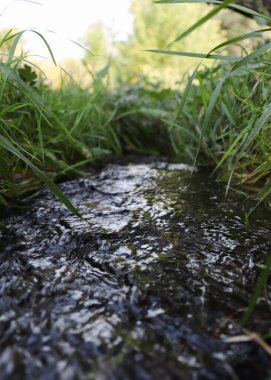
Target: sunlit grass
[[245, 153], [49, 134], [222, 119]]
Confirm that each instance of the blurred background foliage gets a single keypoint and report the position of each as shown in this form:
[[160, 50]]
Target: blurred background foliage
[[155, 26]]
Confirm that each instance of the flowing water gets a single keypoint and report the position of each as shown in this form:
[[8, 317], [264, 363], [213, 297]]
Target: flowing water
[[148, 286]]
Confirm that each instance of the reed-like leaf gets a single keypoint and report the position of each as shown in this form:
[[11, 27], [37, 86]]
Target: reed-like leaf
[[209, 112], [196, 55], [258, 291], [231, 148], [241, 8], [258, 126], [34, 98], [18, 36], [14, 107], [265, 192], [256, 33], [5, 144], [6, 37], [203, 20], [185, 95]]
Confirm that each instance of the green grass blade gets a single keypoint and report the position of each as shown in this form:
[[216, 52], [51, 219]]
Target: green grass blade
[[40, 134], [215, 95], [196, 55], [14, 107], [33, 96], [45, 42], [3, 200], [231, 149], [185, 95], [209, 111], [257, 292], [73, 42], [203, 20], [228, 183], [6, 37], [18, 36], [241, 8], [257, 33], [251, 56], [5, 144], [260, 123], [72, 168], [266, 191]]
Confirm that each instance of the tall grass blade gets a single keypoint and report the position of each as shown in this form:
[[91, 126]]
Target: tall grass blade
[[185, 95], [34, 98], [74, 42], [6, 37], [241, 8], [209, 111], [14, 107], [196, 55], [266, 191], [257, 292], [251, 56], [9, 73], [203, 20], [257, 33], [5, 144], [260, 123], [18, 36], [230, 151]]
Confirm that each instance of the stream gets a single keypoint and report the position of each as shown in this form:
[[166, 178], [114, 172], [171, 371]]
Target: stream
[[150, 285]]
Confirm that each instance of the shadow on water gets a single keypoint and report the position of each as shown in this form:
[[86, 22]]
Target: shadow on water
[[148, 286]]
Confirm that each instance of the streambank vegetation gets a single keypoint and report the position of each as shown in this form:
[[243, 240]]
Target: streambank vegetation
[[158, 103]]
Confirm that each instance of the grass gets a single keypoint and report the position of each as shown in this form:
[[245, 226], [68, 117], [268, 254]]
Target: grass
[[222, 120], [20, 98], [59, 132], [47, 135], [239, 101]]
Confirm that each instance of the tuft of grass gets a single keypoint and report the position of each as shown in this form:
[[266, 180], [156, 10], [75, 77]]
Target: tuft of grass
[[47, 135], [241, 148], [16, 82], [222, 118]]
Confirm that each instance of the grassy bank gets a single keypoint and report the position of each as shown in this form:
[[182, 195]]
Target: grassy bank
[[53, 134]]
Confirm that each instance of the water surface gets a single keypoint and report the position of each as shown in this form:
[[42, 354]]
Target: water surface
[[148, 286]]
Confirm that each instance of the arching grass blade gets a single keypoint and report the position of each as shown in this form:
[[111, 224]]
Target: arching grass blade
[[196, 55], [203, 20], [257, 292], [5, 144], [241, 8]]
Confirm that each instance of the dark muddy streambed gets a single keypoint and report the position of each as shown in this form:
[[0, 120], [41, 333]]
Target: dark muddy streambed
[[149, 286]]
